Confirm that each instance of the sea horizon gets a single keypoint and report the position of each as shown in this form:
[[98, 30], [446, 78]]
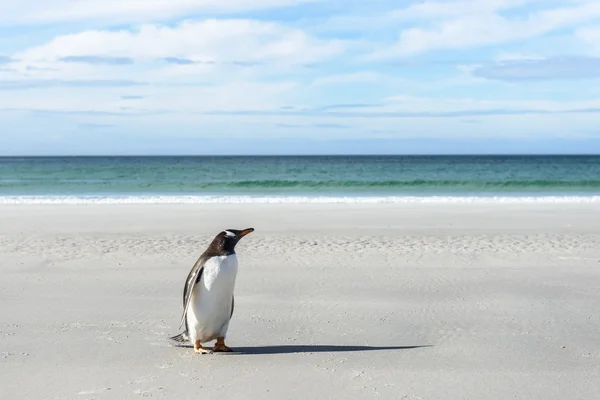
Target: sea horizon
[[336, 178], [306, 155]]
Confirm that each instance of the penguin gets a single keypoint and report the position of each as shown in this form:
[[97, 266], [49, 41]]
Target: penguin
[[208, 300]]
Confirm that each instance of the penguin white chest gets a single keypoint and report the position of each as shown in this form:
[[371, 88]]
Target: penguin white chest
[[210, 308]]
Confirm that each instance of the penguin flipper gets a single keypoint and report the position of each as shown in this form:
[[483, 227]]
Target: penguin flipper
[[193, 277]]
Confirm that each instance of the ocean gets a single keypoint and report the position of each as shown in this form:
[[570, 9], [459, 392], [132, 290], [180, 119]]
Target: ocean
[[297, 179]]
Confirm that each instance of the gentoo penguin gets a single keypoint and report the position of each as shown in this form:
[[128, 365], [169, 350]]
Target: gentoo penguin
[[208, 293]]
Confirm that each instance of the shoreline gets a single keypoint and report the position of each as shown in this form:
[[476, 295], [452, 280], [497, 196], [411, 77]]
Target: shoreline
[[299, 199]]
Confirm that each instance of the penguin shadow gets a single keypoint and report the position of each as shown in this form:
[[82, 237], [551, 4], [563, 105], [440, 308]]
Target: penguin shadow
[[296, 349]]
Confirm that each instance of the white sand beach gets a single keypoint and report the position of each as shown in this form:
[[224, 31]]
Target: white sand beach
[[332, 302]]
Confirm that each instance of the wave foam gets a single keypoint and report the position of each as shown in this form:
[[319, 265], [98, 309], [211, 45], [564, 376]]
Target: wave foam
[[76, 200]]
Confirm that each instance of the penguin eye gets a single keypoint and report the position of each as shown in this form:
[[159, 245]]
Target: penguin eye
[[229, 234]]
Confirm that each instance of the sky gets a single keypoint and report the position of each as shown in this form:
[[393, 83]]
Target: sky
[[94, 77]]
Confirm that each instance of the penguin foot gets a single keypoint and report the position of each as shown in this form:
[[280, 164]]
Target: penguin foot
[[220, 347], [201, 350]]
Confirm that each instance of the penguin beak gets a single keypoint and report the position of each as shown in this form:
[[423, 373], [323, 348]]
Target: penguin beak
[[246, 231]]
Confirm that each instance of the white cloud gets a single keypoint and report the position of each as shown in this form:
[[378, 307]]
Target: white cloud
[[230, 97], [208, 51], [343, 79], [413, 104], [515, 56], [211, 40], [125, 11], [432, 9], [419, 12], [187, 113], [591, 37], [473, 24], [214, 65]]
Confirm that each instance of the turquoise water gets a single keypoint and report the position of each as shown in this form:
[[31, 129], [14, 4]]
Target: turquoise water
[[25, 179]]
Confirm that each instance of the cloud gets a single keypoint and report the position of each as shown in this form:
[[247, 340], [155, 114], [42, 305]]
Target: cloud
[[178, 60], [246, 63], [187, 61], [406, 107], [348, 106], [406, 114], [54, 83], [95, 126], [343, 79], [36, 68], [206, 52], [437, 9], [236, 41], [5, 59], [376, 19], [127, 11], [98, 60], [545, 69], [258, 101], [330, 126], [590, 37], [96, 113], [470, 106], [289, 126], [469, 24], [106, 97], [132, 97], [311, 126]]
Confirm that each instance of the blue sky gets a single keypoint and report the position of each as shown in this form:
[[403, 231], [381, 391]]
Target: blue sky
[[299, 76]]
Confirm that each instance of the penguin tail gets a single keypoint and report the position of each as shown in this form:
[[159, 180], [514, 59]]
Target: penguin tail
[[181, 338]]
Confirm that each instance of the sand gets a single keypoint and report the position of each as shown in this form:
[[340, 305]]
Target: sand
[[332, 302]]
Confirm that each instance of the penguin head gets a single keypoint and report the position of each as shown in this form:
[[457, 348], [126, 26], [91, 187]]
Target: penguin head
[[224, 243]]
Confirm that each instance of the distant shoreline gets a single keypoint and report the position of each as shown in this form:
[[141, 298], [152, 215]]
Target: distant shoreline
[[140, 200]]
